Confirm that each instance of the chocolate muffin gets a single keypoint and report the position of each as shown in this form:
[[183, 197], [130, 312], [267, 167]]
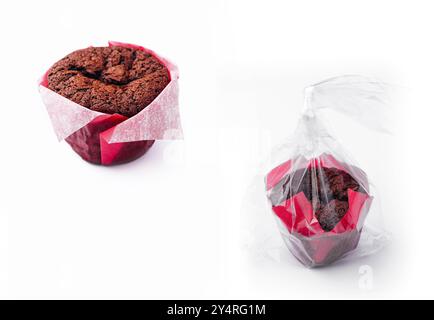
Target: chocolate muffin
[[326, 189], [109, 79]]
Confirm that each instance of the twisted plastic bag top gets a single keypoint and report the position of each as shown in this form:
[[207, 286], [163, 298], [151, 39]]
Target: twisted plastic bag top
[[364, 99]]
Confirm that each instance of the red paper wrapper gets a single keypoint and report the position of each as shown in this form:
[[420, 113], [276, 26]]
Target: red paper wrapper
[[110, 139], [302, 232]]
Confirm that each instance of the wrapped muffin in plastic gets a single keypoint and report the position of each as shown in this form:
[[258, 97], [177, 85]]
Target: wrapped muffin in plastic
[[320, 197]]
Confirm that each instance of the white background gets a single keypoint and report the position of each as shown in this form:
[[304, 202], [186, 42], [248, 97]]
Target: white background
[[172, 224]]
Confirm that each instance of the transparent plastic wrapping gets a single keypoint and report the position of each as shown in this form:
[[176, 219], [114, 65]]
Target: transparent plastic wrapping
[[318, 194], [109, 139]]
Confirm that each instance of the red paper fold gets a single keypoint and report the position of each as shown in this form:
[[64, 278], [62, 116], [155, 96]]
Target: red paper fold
[[314, 246]]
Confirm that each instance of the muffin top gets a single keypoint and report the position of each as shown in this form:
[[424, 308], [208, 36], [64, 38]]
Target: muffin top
[[109, 79]]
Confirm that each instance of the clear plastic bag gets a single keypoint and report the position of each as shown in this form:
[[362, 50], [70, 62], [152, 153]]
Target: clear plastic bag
[[318, 194]]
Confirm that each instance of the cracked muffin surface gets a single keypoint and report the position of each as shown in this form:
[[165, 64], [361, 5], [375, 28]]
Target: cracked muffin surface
[[109, 79]]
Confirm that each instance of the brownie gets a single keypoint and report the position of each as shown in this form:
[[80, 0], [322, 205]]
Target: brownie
[[109, 79], [325, 188]]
